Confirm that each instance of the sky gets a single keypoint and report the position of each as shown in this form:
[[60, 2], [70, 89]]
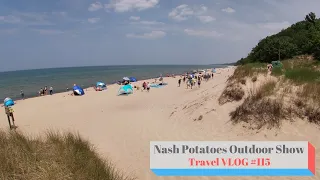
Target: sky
[[65, 33]]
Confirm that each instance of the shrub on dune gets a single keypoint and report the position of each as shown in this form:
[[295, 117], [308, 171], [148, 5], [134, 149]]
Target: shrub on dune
[[57, 156]]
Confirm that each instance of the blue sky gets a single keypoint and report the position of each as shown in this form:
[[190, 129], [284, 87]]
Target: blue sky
[[59, 33]]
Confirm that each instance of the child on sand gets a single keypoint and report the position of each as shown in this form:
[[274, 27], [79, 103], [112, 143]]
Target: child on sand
[[179, 82]]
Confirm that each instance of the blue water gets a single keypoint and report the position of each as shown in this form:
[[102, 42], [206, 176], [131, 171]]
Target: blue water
[[30, 81]]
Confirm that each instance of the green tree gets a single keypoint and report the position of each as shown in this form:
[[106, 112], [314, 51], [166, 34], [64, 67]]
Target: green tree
[[311, 18], [299, 39]]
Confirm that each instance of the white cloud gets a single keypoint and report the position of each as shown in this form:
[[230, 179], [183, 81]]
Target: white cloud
[[228, 10], [134, 18], [275, 26], [10, 19], [181, 13], [151, 35], [148, 23], [206, 19], [48, 31], [93, 20], [129, 5], [95, 6], [203, 33], [59, 13], [28, 18]]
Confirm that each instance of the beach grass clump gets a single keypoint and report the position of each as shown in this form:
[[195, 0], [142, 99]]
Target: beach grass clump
[[266, 89], [310, 92], [56, 156], [248, 70], [233, 92], [243, 81], [259, 113], [258, 109], [313, 114]]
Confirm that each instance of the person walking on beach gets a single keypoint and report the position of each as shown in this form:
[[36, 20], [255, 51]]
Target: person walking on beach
[[184, 79], [179, 82], [199, 82], [144, 85], [148, 87], [51, 90], [22, 95]]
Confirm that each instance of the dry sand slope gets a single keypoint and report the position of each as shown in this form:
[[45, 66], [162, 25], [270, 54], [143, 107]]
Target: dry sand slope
[[122, 127]]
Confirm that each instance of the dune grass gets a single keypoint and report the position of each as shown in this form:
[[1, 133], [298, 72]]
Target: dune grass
[[259, 110], [248, 70], [303, 75], [64, 156], [300, 78], [233, 92]]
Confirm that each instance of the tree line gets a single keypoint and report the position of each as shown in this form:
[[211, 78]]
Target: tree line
[[299, 39]]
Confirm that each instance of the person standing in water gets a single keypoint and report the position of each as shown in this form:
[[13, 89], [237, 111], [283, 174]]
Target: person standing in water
[[51, 90], [45, 90], [22, 95]]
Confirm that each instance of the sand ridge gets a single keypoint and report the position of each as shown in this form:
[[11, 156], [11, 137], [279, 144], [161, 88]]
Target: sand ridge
[[121, 127]]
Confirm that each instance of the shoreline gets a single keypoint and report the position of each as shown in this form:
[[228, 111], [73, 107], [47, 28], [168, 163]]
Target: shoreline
[[28, 96]]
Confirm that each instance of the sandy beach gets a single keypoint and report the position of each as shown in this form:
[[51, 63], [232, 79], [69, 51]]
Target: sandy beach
[[121, 127]]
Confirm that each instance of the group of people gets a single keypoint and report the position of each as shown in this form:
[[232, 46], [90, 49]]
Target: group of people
[[191, 80], [44, 91]]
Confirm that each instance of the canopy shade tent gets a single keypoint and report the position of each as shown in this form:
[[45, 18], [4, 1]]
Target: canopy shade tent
[[78, 91], [126, 89], [101, 84], [276, 64]]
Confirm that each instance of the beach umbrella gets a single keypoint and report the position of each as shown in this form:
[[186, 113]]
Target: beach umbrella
[[132, 79], [126, 78], [77, 90], [8, 102]]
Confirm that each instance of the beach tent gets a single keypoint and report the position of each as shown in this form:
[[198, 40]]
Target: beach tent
[[101, 86], [132, 79], [214, 70], [8, 102], [78, 91], [276, 64], [126, 89], [126, 79]]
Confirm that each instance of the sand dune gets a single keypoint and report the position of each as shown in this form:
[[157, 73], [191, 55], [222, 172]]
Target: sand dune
[[122, 127]]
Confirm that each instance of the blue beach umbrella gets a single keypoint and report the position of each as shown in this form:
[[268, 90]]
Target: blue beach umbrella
[[133, 79], [8, 102]]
